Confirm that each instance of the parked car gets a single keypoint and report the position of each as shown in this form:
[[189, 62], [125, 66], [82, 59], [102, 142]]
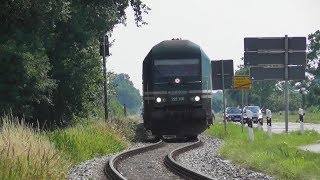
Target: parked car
[[233, 114], [257, 114]]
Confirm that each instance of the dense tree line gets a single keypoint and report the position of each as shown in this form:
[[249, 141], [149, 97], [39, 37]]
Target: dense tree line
[[50, 68], [270, 94], [127, 94]]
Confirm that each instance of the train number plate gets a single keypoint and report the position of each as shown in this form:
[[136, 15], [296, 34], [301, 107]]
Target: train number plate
[[169, 136], [177, 99]]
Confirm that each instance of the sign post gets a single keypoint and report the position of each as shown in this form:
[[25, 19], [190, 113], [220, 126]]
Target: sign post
[[286, 77], [222, 74], [224, 97], [276, 58]]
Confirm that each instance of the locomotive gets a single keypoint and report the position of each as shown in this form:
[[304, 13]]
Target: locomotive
[[177, 89]]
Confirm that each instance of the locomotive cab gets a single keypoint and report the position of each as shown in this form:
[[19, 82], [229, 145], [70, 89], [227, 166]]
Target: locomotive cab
[[177, 89]]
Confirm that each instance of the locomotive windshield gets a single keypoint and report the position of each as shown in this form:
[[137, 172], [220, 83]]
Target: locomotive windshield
[[176, 67]]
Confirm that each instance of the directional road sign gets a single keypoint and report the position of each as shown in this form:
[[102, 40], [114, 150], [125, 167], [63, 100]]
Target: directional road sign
[[274, 43], [256, 58], [242, 82], [265, 73], [216, 67], [276, 58]]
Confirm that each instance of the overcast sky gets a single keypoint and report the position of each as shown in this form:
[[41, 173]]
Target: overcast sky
[[217, 26]]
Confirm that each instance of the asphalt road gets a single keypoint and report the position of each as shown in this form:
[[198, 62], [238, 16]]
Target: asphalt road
[[279, 127]]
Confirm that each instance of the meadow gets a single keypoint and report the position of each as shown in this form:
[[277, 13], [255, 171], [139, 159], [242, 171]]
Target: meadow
[[278, 156]]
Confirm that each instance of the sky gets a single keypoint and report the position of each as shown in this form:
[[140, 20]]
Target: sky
[[217, 26]]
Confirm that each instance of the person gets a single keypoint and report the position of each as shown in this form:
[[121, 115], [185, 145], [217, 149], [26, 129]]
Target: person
[[213, 116], [301, 114]]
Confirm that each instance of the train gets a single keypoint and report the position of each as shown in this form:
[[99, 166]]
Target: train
[[177, 90]]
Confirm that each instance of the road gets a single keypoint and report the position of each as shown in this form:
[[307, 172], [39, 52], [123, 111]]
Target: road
[[279, 127]]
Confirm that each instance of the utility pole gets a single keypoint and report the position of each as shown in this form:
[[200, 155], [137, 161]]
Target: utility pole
[[104, 51]]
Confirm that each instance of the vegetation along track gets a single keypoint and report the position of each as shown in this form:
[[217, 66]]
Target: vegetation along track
[[153, 162]]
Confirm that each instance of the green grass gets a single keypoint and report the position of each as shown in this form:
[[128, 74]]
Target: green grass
[[310, 117], [26, 153], [81, 142], [277, 156]]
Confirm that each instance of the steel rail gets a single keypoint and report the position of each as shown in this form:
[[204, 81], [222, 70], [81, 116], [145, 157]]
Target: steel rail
[[178, 168], [110, 169]]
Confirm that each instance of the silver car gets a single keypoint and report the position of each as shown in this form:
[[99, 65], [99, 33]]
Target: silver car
[[257, 114]]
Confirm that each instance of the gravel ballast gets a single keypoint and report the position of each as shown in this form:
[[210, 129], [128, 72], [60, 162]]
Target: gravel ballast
[[203, 159]]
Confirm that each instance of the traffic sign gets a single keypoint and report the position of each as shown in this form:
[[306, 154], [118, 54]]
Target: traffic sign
[[216, 67], [256, 58], [267, 55], [242, 82], [274, 43], [266, 73]]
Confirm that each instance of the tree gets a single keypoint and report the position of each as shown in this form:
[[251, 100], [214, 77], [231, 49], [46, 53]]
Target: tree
[[126, 93], [217, 103], [313, 67], [51, 49], [25, 89], [259, 93]]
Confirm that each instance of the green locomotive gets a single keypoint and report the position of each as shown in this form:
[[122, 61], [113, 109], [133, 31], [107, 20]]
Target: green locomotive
[[177, 89]]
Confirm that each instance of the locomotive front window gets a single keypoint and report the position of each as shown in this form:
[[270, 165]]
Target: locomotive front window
[[176, 67]]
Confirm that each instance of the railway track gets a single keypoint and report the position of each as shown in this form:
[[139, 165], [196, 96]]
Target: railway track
[[178, 168], [153, 162]]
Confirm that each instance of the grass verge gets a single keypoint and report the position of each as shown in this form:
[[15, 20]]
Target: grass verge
[[310, 117], [277, 156], [83, 142], [26, 153]]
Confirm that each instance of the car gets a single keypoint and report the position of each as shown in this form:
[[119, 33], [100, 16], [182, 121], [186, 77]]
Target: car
[[257, 114], [233, 114]]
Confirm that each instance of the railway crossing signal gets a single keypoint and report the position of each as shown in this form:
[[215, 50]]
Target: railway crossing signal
[[104, 51]]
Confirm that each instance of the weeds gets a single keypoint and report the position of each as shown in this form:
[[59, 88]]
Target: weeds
[[28, 154]]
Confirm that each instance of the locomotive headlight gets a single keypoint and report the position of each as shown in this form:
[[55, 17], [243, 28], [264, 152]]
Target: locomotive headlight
[[197, 98], [158, 100]]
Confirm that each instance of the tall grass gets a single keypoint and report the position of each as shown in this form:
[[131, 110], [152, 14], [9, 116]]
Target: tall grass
[[28, 154], [278, 156]]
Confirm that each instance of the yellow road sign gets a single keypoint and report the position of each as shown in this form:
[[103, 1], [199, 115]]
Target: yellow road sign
[[242, 82]]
